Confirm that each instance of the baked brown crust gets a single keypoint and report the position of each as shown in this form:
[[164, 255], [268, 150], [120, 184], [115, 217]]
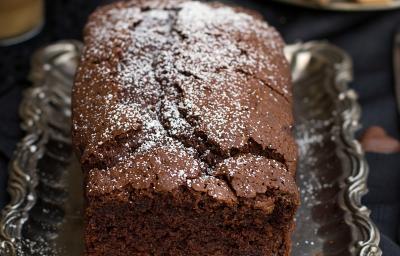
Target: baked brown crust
[[174, 95]]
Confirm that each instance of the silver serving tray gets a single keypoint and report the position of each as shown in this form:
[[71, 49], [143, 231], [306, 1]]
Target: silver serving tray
[[44, 216], [345, 5]]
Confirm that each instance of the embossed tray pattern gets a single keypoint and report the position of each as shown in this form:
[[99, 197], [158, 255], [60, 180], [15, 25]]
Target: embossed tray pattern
[[44, 216]]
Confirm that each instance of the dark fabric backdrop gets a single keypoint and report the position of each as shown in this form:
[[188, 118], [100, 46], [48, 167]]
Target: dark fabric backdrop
[[366, 36]]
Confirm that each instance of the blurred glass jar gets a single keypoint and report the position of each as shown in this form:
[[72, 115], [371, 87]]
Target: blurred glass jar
[[20, 20]]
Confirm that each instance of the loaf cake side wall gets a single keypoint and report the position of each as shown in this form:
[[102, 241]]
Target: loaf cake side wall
[[183, 222]]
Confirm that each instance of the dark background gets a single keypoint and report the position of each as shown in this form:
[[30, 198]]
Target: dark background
[[366, 36]]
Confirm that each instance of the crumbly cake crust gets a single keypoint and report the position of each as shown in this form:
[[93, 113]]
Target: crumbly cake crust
[[179, 101]]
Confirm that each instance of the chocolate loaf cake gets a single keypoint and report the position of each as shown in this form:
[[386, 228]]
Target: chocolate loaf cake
[[182, 117]]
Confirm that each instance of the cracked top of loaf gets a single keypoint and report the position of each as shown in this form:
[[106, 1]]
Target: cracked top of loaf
[[172, 93]]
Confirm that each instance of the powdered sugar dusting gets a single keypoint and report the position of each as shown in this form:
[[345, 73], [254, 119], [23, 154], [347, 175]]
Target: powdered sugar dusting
[[250, 175], [169, 75]]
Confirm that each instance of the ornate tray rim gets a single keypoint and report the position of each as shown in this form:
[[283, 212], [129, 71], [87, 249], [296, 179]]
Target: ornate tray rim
[[343, 5], [350, 113], [23, 177]]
